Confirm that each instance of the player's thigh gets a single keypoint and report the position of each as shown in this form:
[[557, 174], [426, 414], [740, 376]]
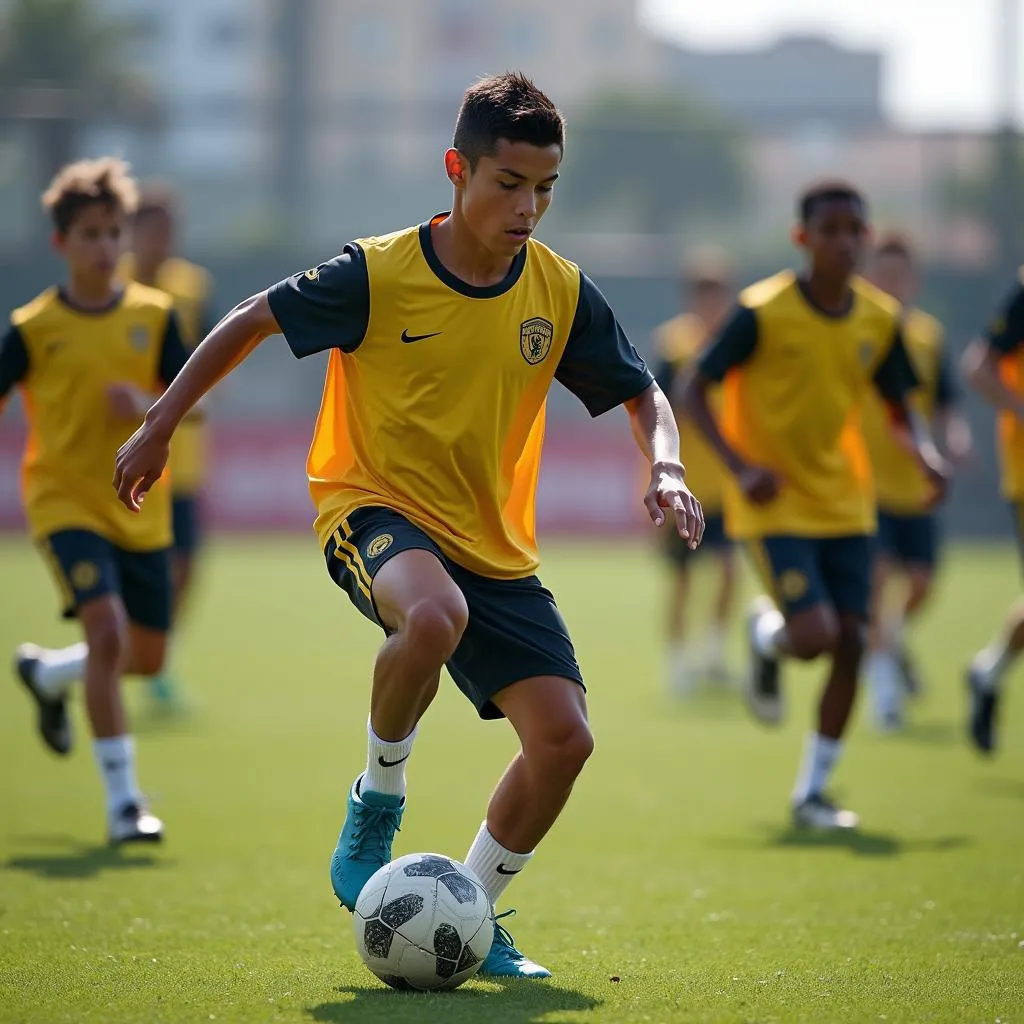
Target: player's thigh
[[846, 572], [83, 565], [388, 566], [515, 632], [147, 590], [105, 627], [549, 715]]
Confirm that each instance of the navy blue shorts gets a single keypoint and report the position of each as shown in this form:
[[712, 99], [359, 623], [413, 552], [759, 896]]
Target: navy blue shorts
[[678, 550], [88, 566], [801, 572], [188, 527], [515, 630], [909, 540]]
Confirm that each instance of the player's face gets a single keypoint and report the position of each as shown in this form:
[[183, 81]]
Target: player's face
[[835, 236], [505, 196], [92, 244], [895, 274], [152, 237], [710, 300]]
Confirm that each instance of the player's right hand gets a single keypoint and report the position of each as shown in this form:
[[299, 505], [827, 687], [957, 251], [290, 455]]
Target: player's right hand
[[139, 464], [760, 485]]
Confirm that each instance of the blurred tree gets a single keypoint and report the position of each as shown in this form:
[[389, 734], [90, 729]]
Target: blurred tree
[[653, 162], [64, 64]]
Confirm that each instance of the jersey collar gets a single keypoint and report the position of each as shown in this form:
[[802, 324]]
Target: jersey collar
[[91, 310], [445, 276]]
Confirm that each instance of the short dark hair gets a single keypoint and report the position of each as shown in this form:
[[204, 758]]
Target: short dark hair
[[827, 191], [506, 106], [86, 183], [895, 243]]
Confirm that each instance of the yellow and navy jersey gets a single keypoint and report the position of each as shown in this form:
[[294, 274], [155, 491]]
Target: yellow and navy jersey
[[64, 358], [434, 400], [900, 485], [679, 344], [1005, 335], [189, 287], [794, 377]]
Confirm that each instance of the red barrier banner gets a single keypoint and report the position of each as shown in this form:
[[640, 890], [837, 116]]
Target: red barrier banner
[[591, 479]]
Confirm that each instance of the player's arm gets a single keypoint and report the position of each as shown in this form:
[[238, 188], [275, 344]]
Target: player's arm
[[603, 370], [319, 310], [733, 346], [894, 378], [13, 362], [956, 429], [980, 363]]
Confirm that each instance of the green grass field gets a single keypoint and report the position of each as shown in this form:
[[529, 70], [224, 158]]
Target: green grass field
[[672, 889]]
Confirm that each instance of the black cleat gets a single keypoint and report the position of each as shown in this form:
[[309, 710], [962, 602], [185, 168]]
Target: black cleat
[[982, 720], [909, 675], [54, 725], [134, 824], [763, 690]]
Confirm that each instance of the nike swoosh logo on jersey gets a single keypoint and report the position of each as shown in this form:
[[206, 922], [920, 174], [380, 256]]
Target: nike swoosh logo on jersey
[[407, 337], [390, 764], [502, 870]]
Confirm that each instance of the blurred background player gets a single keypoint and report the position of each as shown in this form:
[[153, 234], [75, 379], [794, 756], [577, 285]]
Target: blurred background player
[[89, 357], [908, 527], [797, 358], [678, 343], [152, 262], [994, 365]]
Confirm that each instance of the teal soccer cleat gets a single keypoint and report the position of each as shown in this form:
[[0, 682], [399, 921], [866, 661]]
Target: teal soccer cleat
[[505, 961], [364, 845]]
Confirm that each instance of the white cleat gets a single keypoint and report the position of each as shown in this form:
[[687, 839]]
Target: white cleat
[[763, 691], [134, 824], [818, 813]]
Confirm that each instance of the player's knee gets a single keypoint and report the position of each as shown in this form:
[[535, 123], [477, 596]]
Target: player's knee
[[107, 638], [920, 587], [813, 639], [852, 640], [148, 658], [565, 749], [435, 626]]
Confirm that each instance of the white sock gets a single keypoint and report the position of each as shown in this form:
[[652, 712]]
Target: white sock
[[57, 669], [680, 681], [820, 756], [990, 664], [883, 674], [385, 763], [714, 645], [769, 631], [493, 864], [116, 759]]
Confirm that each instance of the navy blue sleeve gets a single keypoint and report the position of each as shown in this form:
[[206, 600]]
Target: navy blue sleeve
[[735, 344], [599, 364], [894, 376], [325, 307], [1006, 331], [13, 360], [173, 353], [946, 391]]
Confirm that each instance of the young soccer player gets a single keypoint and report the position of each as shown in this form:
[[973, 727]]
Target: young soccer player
[[679, 342], [444, 340], [152, 262], [796, 359], [89, 357], [908, 528], [994, 365]]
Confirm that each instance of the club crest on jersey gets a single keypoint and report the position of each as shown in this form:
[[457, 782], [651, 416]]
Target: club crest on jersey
[[379, 545], [139, 338], [535, 336], [313, 273]]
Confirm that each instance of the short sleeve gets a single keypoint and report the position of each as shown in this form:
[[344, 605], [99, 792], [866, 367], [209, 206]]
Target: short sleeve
[[173, 353], [1005, 332], [894, 376], [13, 360], [734, 345], [946, 391], [325, 307], [599, 365]]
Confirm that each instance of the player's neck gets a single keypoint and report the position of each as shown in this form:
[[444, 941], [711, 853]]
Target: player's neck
[[145, 273], [462, 255], [830, 296], [86, 291]]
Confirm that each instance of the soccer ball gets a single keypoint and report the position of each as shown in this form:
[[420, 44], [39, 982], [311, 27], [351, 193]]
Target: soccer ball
[[424, 922]]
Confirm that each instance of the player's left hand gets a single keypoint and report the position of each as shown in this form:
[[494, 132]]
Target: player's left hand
[[139, 464], [669, 491], [937, 471]]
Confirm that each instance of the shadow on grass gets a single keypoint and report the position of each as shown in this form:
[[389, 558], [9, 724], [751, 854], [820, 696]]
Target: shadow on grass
[[936, 734], [1010, 788], [80, 860], [501, 1002], [857, 841]]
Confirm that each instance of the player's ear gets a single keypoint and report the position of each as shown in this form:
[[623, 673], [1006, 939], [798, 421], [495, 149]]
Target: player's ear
[[58, 240], [798, 235], [455, 166]]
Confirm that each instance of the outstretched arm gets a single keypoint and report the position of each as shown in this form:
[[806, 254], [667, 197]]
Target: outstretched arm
[[654, 427]]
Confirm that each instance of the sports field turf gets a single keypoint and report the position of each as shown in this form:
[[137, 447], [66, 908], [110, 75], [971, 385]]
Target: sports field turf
[[672, 889]]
